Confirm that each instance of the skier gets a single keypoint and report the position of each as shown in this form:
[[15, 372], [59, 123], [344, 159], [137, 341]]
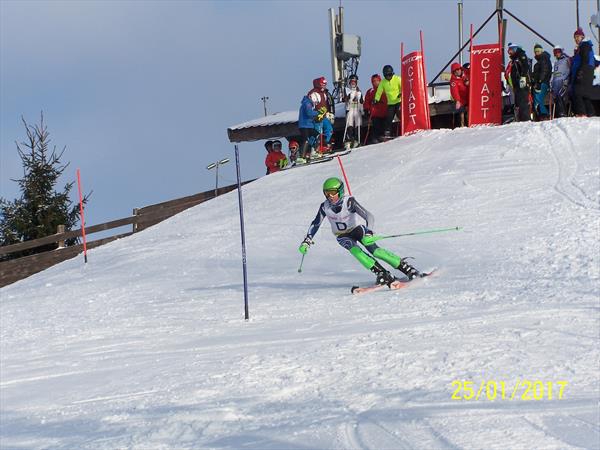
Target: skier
[[519, 79], [341, 212], [391, 85], [306, 124], [275, 160], [540, 78], [293, 157], [560, 81], [324, 104], [354, 110], [459, 90]]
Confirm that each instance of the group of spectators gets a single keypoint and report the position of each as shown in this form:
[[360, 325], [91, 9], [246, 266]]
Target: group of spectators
[[569, 82]]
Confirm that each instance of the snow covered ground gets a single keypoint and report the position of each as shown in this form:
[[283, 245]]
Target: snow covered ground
[[146, 346]]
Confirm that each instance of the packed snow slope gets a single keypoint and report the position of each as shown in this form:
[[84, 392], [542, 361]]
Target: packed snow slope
[[146, 346]]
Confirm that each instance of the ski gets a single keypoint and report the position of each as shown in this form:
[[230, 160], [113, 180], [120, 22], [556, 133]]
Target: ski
[[310, 163], [394, 286]]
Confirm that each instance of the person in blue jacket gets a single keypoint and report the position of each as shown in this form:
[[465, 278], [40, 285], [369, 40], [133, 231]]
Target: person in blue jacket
[[582, 75], [306, 125]]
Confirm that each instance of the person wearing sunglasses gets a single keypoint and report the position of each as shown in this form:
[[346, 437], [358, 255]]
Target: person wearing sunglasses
[[540, 78], [342, 213]]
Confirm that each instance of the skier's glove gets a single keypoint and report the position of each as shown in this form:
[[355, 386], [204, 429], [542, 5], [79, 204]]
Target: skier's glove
[[522, 82], [307, 242], [283, 163]]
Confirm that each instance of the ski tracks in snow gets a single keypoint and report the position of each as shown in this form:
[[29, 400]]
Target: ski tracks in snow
[[569, 169]]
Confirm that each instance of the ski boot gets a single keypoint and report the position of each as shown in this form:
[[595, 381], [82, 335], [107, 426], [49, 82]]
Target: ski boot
[[408, 270], [383, 276]]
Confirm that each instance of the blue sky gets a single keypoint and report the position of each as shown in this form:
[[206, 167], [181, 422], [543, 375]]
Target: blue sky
[[142, 92]]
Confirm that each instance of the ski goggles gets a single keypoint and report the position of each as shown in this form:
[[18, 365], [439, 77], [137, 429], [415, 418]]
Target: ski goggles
[[331, 192]]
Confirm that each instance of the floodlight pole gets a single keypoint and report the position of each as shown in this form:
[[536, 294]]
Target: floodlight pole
[[264, 100], [216, 165]]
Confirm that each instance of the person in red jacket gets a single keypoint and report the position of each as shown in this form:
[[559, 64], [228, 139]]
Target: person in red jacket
[[276, 159], [375, 112], [459, 89]]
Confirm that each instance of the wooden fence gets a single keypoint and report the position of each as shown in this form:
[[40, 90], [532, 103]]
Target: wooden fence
[[142, 218]]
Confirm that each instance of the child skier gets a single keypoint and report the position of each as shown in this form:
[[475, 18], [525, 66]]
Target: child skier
[[341, 212]]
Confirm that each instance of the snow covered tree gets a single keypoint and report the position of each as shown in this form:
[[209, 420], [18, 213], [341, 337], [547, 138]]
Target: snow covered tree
[[40, 208]]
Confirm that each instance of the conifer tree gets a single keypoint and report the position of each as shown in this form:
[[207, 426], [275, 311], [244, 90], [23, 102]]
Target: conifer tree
[[40, 208]]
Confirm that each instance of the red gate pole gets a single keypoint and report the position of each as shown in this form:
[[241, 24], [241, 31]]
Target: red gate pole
[[401, 118], [344, 174], [469, 118], [82, 217], [425, 83]]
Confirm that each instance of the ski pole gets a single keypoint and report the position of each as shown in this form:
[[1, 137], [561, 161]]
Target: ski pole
[[372, 239], [301, 262]]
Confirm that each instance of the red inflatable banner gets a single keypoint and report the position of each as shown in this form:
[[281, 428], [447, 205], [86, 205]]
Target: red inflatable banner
[[485, 86], [415, 102]]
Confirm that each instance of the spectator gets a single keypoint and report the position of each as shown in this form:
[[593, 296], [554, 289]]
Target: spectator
[[323, 102], [306, 124], [540, 79], [519, 80], [354, 111], [276, 159], [293, 157], [582, 75], [269, 149], [376, 112], [392, 86], [560, 81], [459, 89]]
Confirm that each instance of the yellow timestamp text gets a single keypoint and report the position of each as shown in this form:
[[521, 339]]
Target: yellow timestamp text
[[492, 390]]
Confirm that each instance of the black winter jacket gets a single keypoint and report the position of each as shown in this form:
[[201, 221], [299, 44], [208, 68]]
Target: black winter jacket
[[520, 67], [542, 70]]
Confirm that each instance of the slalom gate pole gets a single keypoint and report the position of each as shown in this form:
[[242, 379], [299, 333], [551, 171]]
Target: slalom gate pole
[[345, 177], [440, 230], [82, 217], [301, 262], [243, 233]]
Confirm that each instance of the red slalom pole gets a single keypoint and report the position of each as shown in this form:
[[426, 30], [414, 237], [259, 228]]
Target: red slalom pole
[[345, 177], [82, 217]]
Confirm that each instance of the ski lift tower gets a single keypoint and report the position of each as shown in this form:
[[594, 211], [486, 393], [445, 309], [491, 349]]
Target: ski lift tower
[[345, 52]]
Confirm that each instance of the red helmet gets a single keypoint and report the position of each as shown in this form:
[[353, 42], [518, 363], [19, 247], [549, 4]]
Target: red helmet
[[319, 83], [455, 66], [293, 145]]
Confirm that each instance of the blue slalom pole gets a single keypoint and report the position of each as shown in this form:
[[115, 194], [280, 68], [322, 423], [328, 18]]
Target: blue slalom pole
[[241, 205]]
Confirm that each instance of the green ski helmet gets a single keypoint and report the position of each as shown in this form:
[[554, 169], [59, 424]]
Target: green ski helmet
[[333, 184]]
